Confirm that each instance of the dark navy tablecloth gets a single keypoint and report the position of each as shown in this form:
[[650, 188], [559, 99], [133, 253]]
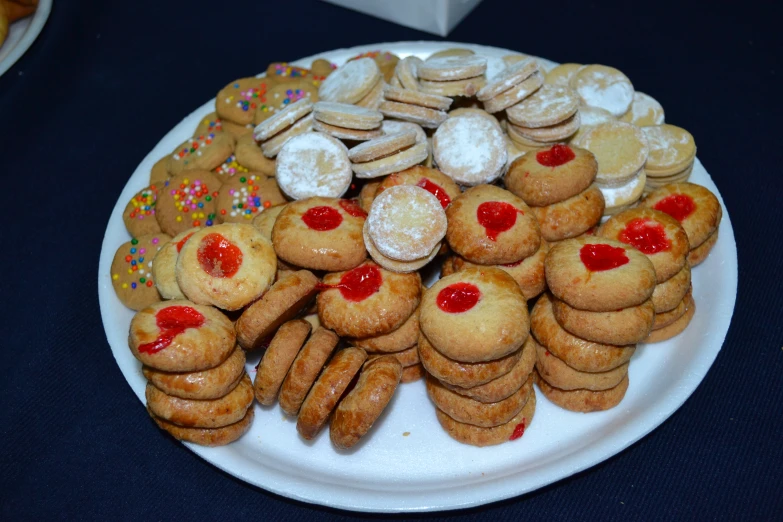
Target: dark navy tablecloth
[[106, 80]]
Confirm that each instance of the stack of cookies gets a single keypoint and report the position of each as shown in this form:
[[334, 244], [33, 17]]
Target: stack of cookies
[[661, 238], [414, 106], [599, 309], [557, 183], [511, 86], [292, 121], [474, 328], [452, 75], [549, 115], [197, 388], [393, 152], [347, 122], [672, 152]]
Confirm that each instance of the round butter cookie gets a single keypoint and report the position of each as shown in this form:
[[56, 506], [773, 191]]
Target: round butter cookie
[[590, 117], [620, 148], [625, 326], [387, 154], [452, 67], [700, 253], [248, 154], [677, 326], [604, 87], [431, 180], [313, 164], [264, 221], [645, 110], [393, 264], [211, 437], [666, 318], [553, 133], [397, 340], [558, 374], [672, 149], [423, 116], [278, 358], [584, 401], [470, 150], [570, 217], [670, 293], [305, 369], [238, 101], [131, 271], [548, 106], [695, 207], [350, 82], [139, 213], [164, 266], [561, 75], [187, 201], [212, 383]]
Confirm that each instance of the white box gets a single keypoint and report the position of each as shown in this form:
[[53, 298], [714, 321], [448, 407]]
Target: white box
[[433, 16]]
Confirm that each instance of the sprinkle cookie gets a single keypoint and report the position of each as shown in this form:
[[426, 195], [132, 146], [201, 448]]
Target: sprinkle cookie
[[187, 201], [242, 198], [131, 271]]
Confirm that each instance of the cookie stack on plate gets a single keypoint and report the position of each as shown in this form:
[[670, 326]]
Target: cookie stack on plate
[[671, 156]]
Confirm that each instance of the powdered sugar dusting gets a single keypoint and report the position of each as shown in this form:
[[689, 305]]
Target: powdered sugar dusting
[[547, 106], [283, 119], [646, 110], [313, 164], [350, 82], [470, 149], [394, 126], [604, 87], [668, 145], [614, 196], [507, 78], [453, 67]]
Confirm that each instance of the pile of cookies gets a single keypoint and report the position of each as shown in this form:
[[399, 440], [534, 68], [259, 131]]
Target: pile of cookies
[[298, 221]]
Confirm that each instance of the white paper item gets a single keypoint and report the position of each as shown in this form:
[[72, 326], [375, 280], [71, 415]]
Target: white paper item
[[433, 16]]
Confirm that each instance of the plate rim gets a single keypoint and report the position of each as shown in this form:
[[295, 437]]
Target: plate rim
[[32, 32]]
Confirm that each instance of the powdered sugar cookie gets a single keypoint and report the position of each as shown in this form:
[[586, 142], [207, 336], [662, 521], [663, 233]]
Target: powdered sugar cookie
[[466, 87], [424, 116], [395, 127], [695, 207], [621, 197], [515, 94], [228, 266], [470, 150], [406, 72], [620, 148], [570, 217], [553, 133], [414, 97], [374, 98], [561, 75], [283, 120], [131, 271], [431, 180], [395, 265], [344, 133], [204, 152], [313, 164], [396, 162], [549, 105], [645, 110], [274, 145], [280, 97], [449, 68], [164, 266], [590, 117], [351, 82], [382, 147], [347, 116], [386, 61], [605, 87], [510, 76], [452, 51], [672, 150], [242, 198]]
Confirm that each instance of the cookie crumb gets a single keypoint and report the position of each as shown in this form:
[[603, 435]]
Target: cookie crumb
[[406, 433]]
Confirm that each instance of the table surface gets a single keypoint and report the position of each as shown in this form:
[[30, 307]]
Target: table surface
[[106, 80]]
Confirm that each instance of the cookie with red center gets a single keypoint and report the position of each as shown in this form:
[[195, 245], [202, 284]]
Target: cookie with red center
[[475, 315], [212, 383], [551, 175], [695, 207], [238, 101], [164, 265], [571, 217], [139, 213], [629, 325], [203, 152], [186, 201], [489, 225], [227, 266], [584, 401], [242, 198], [281, 96], [320, 234], [367, 300], [131, 271], [655, 234], [431, 180], [181, 336], [599, 274]]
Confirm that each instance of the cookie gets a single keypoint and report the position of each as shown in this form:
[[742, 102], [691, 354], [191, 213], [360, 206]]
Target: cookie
[[562, 74], [407, 357], [272, 147], [350, 82], [454, 88], [328, 390], [209, 123], [584, 401], [187, 201], [474, 111], [278, 358], [396, 127], [367, 195], [282, 120], [284, 73], [313, 164], [139, 213], [204, 152], [320, 234], [395, 265], [281, 96], [347, 116], [406, 72], [431, 180], [548, 106], [489, 225], [511, 76], [374, 98], [666, 318], [204, 385], [695, 207], [475, 315], [515, 94], [211, 437], [305, 369], [599, 274], [672, 150], [238, 101], [470, 150], [423, 116], [550, 134], [670, 293], [203, 413], [400, 160], [571, 217], [590, 117], [452, 67], [622, 197], [677, 326], [228, 266], [264, 221], [361, 407], [344, 133], [412, 373], [604, 87], [159, 173], [180, 336], [248, 153], [645, 110], [700, 253], [414, 97], [551, 175], [367, 301], [620, 148], [131, 271], [580, 354], [625, 326], [284, 300], [164, 266], [242, 198], [558, 374]]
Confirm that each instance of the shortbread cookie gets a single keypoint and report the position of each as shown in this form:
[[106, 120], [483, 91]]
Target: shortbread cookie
[[387, 154], [666, 318], [359, 410], [510, 77], [700, 253], [571, 217], [164, 266], [305, 369], [478, 436], [278, 358], [347, 116], [418, 98], [386, 62], [431, 180], [406, 72], [265, 220], [584, 401], [449, 68], [344, 133], [328, 390], [676, 327], [274, 145], [461, 315], [350, 82], [238, 101], [204, 152], [228, 266], [248, 154], [558, 374], [466, 87], [474, 111], [551, 175], [523, 142], [625, 326], [489, 225], [412, 373], [180, 336], [131, 271], [379, 148], [604, 87], [240, 199], [645, 110], [672, 150], [451, 51], [424, 116], [396, 265], [204, 385], [620, 148], [189, 200], [139, 213], [367, 300], [283, 120], [655, 234], [621, 197], [551, 134], [695, 207], [395, 127], [211, 437], [367, 195], [313, 164], [590, 117], [580, 354], [668, 294], [470, 150], [562, 74], [548, 106], [374, 98], [204, 413], [598, 274], [320, 234]]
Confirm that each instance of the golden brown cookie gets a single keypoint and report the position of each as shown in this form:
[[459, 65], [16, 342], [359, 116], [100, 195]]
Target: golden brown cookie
[[159, 173], [666, 318], [625, 326], [207, 436], [584, 401], [131, 271], [558, 374], [265, 220], [407, 357], [206, 384], [278, 358], [187, 201], [248, 154], [367, 194], [571, 217], [695, 207], [700, 253], [305, 369], [676, 327], [279, 97], [669, 294], [412, 373], [397, 340], [164, 266]]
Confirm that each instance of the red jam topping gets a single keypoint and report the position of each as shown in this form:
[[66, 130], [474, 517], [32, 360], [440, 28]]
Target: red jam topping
[[678, 206], [599, 257], [352, 207], [458, 297], [183, 241], [646, 235], [512, 265], [556, 156], [519, 430], [435, 190], [358, 284], [218, 256], [172, 321], [322, 218], [496, 217]]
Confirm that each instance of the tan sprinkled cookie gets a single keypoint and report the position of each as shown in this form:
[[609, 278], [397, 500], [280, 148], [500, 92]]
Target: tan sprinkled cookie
[[159, 173], [280, 97], [204, 152], [131, 271], [248, 154], [242, 198], [237, 101], [139, 213]]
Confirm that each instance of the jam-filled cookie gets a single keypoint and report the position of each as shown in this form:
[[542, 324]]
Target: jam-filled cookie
[[164, 266], [367, 301], [624, 326], [475, 315], [139, 213], [187, 201], [212, 383], [278, 358], [571, 217], [431, 180], [320, 234], [207, 436], [241, 198], [180, 336], [599, 274], [489, 225], [227, 266], [131, 271]]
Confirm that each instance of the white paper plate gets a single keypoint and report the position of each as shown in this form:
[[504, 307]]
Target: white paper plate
[[22, 34], [408, 463]]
